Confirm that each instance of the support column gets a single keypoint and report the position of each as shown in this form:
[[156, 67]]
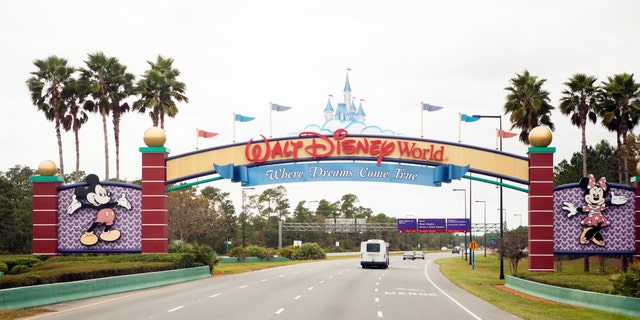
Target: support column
[[45, 210], [635, 182], [155, 218], [541, 209]]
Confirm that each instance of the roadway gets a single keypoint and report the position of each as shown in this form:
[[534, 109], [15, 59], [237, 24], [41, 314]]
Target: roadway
[[336, 289]]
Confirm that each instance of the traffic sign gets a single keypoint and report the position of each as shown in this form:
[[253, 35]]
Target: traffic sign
[[473, 245]]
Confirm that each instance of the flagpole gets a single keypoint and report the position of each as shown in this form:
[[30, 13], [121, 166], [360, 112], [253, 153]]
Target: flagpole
[[459, 127], [421, 119], [234, 127], [270, 118]]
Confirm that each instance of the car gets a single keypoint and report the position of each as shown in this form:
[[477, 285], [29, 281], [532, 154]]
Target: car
[[418, 255], [408, 255], [455, 250]]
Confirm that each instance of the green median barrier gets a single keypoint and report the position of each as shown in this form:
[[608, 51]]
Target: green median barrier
[[606, 302], [46, 294]]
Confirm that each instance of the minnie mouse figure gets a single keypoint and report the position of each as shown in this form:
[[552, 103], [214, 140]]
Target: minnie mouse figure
[[96, 196], [595, 193]]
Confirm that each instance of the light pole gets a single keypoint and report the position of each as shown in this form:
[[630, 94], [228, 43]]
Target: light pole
[[499, 117], [518, 215], [465, 221], [309, 207], [484, 203], [244, 212]]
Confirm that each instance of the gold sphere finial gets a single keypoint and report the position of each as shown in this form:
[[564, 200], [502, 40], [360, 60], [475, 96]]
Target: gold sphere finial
[[540, 137], [155, 137], [47, 168]]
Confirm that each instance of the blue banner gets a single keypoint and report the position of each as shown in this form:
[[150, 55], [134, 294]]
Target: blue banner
[[341, 171], [459, 225], [407, 225], [432, 225]]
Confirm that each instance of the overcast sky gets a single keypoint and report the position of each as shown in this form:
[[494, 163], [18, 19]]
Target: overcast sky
[[237, 56]]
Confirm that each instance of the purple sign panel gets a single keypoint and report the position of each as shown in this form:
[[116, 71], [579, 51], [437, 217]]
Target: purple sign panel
[[407, 225], [432, 225], [458, 225]]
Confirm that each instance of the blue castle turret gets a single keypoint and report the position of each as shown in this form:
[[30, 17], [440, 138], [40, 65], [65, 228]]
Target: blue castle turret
[[346, 111]]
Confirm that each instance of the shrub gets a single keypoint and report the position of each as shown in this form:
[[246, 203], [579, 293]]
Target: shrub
[[3, 267], [628, 283], [256, 251], [288, 252], [18, 269], [309, 250], [238, 252], [205, 255]]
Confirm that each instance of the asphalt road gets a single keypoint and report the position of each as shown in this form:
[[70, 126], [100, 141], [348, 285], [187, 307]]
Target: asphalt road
[[337, 289]]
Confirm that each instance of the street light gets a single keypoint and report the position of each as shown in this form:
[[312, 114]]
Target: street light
[[518, 215], [484, 203], [499, 117], [244, 212], [465, 221]]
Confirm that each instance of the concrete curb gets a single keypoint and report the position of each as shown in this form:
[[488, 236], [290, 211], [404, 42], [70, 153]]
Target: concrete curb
[[46, 294], [606, 302]]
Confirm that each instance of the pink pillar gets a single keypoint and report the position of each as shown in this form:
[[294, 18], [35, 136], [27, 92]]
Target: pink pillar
[[45, 214], [155, 218], [541, 209], [636, 184]]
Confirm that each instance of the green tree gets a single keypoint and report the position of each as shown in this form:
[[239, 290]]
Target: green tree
[[16, 210], [528, 104], [347, 205], [578, 101], [190, 216], [602, 163], [160, 90], [46, 85], [74, 118], [512, 245], [619, 109], [224, 217], [105, 79]]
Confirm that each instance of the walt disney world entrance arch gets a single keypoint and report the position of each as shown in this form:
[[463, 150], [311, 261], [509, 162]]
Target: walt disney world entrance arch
[[97, 216], [312, 157]]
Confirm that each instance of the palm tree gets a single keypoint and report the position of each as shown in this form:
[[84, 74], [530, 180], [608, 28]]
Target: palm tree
[[160, 91], [105, 79], [619, 108], [528, 104], [578, 102], [46, 87], [74, 118]]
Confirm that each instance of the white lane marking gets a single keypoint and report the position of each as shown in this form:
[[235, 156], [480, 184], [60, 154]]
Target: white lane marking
[[375, 290], [448, 296], [297, 297], [214, 295], [330, 277], [281, 276], [321, 281], [380, 314], [279, 311], [244, 286], [310, 288], [264, 280], [377, 299], [176, 308], [377, 283]]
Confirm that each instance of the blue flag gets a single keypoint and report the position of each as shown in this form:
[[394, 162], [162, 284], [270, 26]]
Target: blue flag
[[428, 107], [467, 118], [278, 107], [242, 118]]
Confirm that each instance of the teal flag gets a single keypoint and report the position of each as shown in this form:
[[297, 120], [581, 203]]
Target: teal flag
[[242, 118], [467, 118]]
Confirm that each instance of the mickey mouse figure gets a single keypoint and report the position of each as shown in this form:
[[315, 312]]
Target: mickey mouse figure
[[96, 196], [595, 193]]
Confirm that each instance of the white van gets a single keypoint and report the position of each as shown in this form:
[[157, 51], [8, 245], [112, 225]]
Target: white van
[[374, 253]]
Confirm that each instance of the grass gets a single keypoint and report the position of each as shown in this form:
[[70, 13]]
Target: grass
[[484, 283]]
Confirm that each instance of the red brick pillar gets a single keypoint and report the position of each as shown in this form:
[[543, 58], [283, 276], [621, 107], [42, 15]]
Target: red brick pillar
[[636, 184], [155, 218], [541, 208], [45, 214]]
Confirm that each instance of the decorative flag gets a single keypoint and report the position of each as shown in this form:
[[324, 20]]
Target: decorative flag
[[206, 134], [331, 95], [242, 118], [506, 134], [278, 107], [467, 118], [428, 107], [348, 69]]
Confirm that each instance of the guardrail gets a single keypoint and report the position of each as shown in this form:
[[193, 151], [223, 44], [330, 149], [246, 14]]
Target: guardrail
[[606, 302], [46, 294]]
